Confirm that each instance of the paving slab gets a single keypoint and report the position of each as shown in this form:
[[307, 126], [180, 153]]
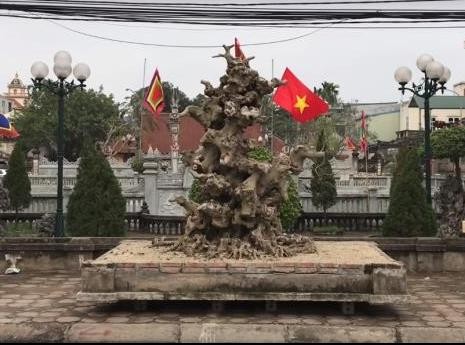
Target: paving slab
[[325, 334], [123, 333], [431, 335], [422, 319]]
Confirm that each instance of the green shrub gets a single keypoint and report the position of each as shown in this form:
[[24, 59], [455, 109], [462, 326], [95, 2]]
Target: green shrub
[[409, 214], [16, 180], [97, 206], [291, 208], [323, 184]]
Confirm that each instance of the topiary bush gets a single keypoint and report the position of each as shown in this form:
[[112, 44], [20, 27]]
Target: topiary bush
[[16, 180], [96, 207], [409, 214], [323, 183]]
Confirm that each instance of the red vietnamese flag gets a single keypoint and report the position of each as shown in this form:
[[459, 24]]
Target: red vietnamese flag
[[237, 50], [153, 100], [298, 100]]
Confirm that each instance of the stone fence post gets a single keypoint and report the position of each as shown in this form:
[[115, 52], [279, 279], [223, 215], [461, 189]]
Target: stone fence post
[[150, 174]]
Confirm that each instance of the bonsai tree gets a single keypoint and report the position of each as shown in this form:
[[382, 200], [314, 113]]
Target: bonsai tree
[[450, 143], [409, 214], [323, 184], [96, 207], [240, 215], [16, 180], [290, 209]]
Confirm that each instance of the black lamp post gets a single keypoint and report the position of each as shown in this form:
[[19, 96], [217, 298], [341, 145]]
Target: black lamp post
[[61, 88], [435, 76]]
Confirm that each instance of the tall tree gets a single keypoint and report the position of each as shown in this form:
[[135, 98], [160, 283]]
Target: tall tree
[[450, 143], [329, 92], [171, 92], [96, 207], [409, 214], [16, 179], [89, 114], [323, 184]]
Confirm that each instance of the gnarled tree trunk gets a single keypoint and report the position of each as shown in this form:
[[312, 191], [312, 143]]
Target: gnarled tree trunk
[[240, 218]]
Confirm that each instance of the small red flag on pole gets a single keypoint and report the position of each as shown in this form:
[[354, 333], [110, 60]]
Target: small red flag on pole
[[363, 144], [364, 126], [364, 121], [237, 50], [350, 145], [298, 100], [153, 100]]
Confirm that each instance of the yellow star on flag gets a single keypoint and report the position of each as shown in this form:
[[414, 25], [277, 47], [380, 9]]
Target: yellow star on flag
[[301, 103]]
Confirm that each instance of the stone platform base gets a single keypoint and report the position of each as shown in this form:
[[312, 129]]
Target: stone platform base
[[339, 271]]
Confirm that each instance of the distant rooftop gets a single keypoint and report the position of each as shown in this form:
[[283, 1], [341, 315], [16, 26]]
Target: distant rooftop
[[439, 102], [375, 109]]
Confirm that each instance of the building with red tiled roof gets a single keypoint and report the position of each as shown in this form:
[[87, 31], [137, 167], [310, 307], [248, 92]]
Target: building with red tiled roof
[[156, 134]]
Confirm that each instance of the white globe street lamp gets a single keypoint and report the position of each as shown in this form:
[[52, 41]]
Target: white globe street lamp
[[62, 69], [435, 75]]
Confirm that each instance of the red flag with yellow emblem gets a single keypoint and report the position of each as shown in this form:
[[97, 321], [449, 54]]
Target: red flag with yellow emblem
[[153, 100], [298, 100]]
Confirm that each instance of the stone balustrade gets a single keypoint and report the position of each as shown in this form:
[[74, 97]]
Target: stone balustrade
[[356, 193]]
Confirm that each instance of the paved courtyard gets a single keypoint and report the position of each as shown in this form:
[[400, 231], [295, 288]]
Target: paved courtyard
[[43, 307]]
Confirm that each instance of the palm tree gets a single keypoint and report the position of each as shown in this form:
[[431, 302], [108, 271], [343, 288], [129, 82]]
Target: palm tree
[[329, 92]]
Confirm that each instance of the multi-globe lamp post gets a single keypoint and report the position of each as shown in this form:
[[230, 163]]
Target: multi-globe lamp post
[[434, 79], [62, 88]]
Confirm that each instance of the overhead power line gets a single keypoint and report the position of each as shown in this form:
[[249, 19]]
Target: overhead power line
[[232, 14]]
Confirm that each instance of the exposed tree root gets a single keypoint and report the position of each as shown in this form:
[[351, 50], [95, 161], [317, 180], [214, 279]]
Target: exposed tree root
[[249, 248]]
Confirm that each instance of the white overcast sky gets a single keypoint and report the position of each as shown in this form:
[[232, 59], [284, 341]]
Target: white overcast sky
[[362, 62]]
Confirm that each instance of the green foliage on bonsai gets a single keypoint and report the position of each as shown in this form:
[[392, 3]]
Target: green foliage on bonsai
[[409, 214], [195, 193], [16, 180], [323, 184], [97, 206], [291, 208], [261, 154]]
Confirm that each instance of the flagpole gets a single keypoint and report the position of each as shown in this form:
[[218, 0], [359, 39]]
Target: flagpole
[[366, 164], [141, 110], [272, 117]]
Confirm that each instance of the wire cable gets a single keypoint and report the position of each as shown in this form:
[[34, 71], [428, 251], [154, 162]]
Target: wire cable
[[186, 46]]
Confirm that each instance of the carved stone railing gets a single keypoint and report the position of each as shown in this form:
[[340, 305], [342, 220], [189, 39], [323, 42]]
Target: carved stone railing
[[42, 181], [162, 225], [156, 225], [347, 221], [174, 225]]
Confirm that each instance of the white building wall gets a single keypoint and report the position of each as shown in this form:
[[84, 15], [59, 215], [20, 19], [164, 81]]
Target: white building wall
[[414, 118]]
